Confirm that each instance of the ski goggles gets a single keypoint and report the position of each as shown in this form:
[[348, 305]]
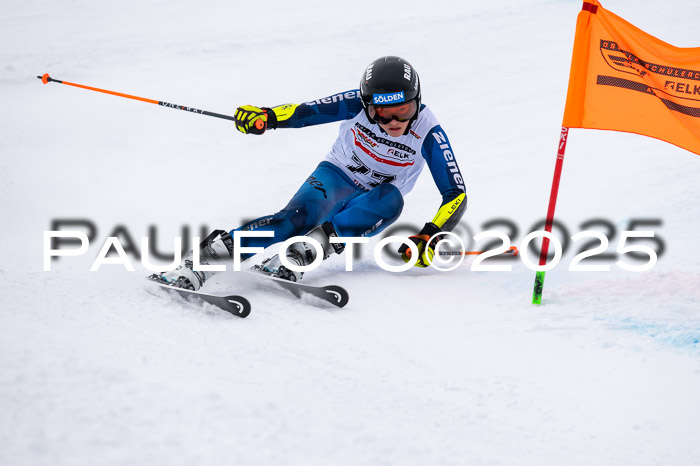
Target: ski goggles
[[385, 115]]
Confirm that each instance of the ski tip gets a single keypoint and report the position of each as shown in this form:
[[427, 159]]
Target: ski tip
[[340, 296], [239, 306]]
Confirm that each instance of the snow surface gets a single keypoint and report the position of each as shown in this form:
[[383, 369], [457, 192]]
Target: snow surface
[[421, 367]]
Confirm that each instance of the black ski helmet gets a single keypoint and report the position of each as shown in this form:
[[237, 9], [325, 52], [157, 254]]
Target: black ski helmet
[[388, 81]]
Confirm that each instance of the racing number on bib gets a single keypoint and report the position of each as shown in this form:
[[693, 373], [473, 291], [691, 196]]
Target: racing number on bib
[[363, 169]]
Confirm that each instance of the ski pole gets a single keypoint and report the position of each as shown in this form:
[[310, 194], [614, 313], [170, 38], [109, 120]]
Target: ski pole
[[512, 251], [48, 79]]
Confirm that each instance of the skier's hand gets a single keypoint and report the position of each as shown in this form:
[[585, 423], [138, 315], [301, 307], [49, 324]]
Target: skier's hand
[[425, 250], [254, 120]]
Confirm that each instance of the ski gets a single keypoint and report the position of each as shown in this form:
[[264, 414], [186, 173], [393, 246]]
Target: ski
[[333, 294], [234, 304]]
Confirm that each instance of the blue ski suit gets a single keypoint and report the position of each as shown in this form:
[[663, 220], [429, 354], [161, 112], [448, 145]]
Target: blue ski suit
[[360, 185]]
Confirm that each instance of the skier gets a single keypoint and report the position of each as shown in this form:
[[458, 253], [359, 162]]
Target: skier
[[386, 138]]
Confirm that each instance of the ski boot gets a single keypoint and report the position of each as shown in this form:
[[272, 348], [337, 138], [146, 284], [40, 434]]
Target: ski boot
[[301, 254], [212, 250]]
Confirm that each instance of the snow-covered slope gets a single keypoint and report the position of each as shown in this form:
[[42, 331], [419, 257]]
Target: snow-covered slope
[[421, 367]]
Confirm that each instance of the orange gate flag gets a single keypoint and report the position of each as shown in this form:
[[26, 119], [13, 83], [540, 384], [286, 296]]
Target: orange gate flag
[[623, 79]]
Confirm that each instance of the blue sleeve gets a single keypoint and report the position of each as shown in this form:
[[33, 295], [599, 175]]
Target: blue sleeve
[[441, 161], [338, 107]]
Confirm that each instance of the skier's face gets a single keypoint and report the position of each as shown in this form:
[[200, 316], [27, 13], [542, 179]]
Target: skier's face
[[395, 128]]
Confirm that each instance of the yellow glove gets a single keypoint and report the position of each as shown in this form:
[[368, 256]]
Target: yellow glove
[[254, 120], [426, 250]]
